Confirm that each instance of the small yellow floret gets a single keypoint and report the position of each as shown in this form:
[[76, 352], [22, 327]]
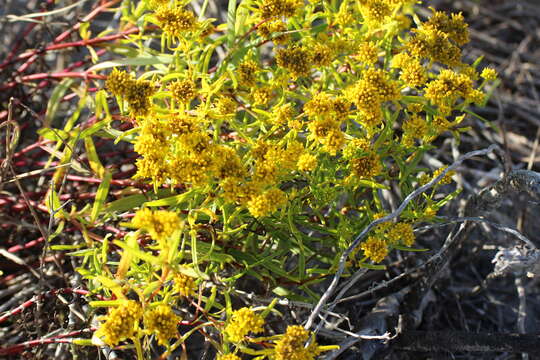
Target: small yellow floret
[[184, 285], [401, 232], [266, 203], [159, 224], [183, 91], [291, 345], [375, 249], [176, 21], [121, 323], [307, 162], [489, 74], [118, 82], [163, 322], [243, 321], [228, 357]]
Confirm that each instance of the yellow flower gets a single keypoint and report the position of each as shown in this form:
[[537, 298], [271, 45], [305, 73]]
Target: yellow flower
[[375, 12], [455, 27], [267, 202], [447, 178], [364, 95], [413, 74], [297, 60], [138, 97], [225, 105], [118, 82], [368, 53], [489, 74], [228, 163], [401, 232], [121, 323], [243, 321], [307, 162], [247, 73], [184, 285], [277, 8], [375, 249], [283, 114], [176, 21], [228, 357], [448, 87], [326, 131], [160, 224], [262, 95], [321, 54], [162, 322], [237, 190], [365, 167], [415, 127], [320, 104], [356, 147], [270, 28], [291, 345], [183, 91], [152, 167], [380, 82]]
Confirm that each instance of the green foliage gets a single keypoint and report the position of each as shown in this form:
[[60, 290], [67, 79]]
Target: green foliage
[[266, 141]]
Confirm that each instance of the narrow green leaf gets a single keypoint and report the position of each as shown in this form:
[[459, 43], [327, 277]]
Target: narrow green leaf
[[93, 158], [405, 248], [171, 200], [142, 60], [54, 101], [101, 195], [231, 20]]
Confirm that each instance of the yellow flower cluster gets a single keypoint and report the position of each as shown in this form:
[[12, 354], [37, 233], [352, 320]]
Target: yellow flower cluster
[[369, 93], [162, 322], [183, 91], [368, 53], [247, 73], [414, 127], [447, 178], [267, 202], [118, 82], [449, 87], [277, 8], [401, 232], [228, 357], [375, 12], [307, 162], [296, 59], [321, 54], [489, 74], [242, 322], [439, 39], [262, 95], [322, 104], [291, 345], [269, 29], [283, 114], [412, 73], [375, 248], [121, 323], [226, 106], [365, 167], [136, 92], [184, 285], [175, 22], [160, 224], [327, 132]]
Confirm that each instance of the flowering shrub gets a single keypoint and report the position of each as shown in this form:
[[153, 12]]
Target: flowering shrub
[[266, 141]]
